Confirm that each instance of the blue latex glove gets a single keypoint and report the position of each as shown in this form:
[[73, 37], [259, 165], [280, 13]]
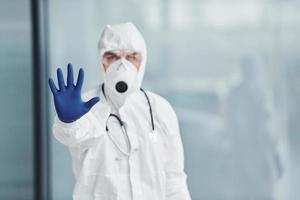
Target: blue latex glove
[[67, 100]]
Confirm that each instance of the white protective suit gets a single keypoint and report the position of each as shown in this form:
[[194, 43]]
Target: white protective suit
[[155, 168]]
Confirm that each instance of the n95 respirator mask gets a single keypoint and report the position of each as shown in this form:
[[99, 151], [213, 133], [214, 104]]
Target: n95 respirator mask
[[121, 77]]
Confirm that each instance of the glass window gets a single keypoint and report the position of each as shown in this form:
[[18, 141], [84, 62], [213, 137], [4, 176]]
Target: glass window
[[16, 177], [225, 66]]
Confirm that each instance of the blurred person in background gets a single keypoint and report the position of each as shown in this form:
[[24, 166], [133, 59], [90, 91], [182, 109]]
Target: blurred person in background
[[256, 164]]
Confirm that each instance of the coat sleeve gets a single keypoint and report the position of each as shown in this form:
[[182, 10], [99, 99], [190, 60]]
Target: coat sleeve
[[176, 178], [82, 133]]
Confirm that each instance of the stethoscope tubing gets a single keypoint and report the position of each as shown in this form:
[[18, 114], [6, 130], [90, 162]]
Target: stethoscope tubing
[[122, 124]]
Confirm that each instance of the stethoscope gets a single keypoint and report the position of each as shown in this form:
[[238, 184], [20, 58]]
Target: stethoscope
[[122, 124]]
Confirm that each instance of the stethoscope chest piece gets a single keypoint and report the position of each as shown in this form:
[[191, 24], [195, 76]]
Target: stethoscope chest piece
[[154, 138]]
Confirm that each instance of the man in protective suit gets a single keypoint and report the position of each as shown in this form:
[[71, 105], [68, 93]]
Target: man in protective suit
[[124, 141]]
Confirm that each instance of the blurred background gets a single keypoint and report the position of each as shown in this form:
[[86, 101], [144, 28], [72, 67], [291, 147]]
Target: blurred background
[[230, 68]]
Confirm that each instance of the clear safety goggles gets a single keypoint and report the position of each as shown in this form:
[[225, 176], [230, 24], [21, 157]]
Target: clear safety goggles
[[111, 56]]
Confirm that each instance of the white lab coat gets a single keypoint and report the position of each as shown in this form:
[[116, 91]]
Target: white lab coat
[[155, 169]]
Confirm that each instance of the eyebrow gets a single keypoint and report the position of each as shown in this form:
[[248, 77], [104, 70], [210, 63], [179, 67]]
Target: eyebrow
[[109, 53], [136, 54]]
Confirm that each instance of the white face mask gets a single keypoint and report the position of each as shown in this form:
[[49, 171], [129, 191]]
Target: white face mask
[[121, 77]]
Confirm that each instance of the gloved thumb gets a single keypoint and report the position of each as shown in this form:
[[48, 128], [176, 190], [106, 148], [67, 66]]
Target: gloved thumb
[[92, 102]]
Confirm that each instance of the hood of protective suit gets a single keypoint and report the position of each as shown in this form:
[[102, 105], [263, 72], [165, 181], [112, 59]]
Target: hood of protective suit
[[122, 36]]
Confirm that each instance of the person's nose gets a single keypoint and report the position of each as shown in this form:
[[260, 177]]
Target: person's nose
[[122, 65]]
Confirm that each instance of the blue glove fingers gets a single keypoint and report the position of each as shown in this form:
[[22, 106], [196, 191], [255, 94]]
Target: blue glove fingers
[[70, 78], [80, 79], [60, 79], [52, 86], [92, 102]]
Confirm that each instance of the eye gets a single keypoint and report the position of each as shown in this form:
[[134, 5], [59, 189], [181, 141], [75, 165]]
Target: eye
[[131, 57], [112, 57]]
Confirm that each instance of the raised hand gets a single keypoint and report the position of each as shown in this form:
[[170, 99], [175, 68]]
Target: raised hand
[[67, 99]]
